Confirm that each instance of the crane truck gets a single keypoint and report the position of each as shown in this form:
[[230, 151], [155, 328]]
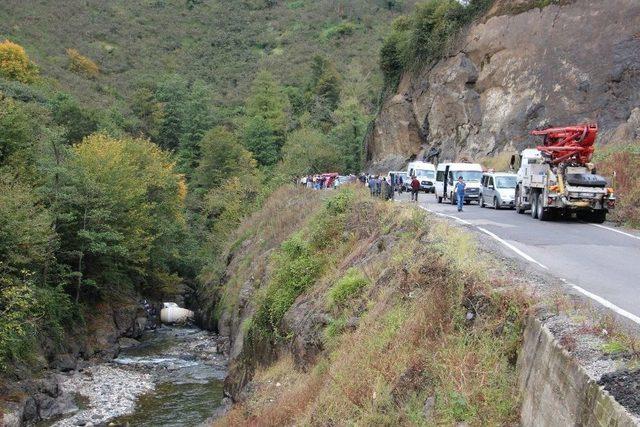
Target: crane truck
[[557, 178]]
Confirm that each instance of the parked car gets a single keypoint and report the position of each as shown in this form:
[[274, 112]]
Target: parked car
[[498, 189]]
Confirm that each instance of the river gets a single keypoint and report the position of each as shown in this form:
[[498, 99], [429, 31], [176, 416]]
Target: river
[[172, 378]]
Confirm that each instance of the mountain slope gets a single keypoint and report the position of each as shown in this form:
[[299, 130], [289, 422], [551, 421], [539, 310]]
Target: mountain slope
[[222, 43]]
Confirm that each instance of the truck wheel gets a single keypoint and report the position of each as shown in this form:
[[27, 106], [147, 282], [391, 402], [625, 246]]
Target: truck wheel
[[439, 199], [543, 214], [496, 206], [454, 199], [482, 205], [598, 217], [534, 206], [519, 208]]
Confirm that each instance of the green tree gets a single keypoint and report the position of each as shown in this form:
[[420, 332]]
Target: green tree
[[121, 214], [15, 130], [262, 140], [223, 157], [27, 239], [267, 119], [198, 119], [323, 91], [348, 135], [171, 95], [77, 120], [307, 151]]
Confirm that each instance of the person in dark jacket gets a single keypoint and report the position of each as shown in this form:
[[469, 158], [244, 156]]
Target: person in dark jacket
[[415, 189], [387, 190]]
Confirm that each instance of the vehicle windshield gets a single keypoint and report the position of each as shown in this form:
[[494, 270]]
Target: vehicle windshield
[[425, 173], [506, 182], [467, 175]]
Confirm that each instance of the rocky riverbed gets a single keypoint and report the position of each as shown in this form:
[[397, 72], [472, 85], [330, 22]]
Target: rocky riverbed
[[171, 377]]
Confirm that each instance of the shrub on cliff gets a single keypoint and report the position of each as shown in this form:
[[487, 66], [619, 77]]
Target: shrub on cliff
[[425, 36]]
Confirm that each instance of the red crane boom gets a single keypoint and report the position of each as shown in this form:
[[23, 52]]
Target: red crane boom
[[568, 144]]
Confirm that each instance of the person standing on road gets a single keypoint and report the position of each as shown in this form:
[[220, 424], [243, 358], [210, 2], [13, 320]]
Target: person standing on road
[[415, 189], [459, 191]]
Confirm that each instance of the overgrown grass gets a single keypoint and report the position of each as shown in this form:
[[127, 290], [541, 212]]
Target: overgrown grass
[[620, 163], [349, 286], [299, 262], [430, 326], [499, 163]]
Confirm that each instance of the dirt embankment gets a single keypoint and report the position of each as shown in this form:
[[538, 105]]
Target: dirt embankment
[[516, 69], [346, 309], [357, 310]]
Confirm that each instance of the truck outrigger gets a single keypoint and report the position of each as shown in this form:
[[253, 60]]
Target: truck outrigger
[[557, 178]]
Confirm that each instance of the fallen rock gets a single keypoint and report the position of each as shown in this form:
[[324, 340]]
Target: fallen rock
[[65, 362]]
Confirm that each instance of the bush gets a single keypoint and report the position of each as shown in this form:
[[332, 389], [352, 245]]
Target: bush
[[424, 37], [347, 287], [296, 268], [15, 64], [82, 65], [339, 30], [623, 160], [27, 313]]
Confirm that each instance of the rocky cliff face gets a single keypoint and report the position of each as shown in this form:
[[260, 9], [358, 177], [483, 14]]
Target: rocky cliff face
[[563, 64]]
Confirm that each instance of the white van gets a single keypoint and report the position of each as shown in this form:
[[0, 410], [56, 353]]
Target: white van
[[446, 176], [425, 172]]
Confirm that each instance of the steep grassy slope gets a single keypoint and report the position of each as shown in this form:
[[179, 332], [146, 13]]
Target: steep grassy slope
[[355, 311], [220, 42]]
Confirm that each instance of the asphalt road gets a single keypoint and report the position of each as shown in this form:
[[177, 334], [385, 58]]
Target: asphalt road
[[600, 261]]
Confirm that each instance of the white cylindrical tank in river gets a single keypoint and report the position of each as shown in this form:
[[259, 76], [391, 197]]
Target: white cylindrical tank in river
[[171, 313]]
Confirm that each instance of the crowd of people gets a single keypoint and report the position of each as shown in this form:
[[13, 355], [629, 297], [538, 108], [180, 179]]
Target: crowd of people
[[378, 185]]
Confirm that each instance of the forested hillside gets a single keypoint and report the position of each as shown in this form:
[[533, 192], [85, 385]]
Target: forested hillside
[[220, 43], [134, 136]]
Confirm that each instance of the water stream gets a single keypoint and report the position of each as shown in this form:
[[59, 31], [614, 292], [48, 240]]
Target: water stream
[[172, 378]]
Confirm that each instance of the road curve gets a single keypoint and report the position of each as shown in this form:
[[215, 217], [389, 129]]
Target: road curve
[[602, 262]]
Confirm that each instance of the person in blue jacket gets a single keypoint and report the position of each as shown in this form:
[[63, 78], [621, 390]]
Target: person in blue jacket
[[459, 190]]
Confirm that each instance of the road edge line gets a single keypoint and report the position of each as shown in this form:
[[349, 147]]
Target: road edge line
[[513, 248], [608, 304], [616, 231], [492, 235]]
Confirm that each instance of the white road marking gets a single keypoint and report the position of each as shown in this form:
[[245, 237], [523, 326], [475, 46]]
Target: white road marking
[[492, 235], [513, 248], [609, 305], [633, 236], [598, 299], [446, 215]]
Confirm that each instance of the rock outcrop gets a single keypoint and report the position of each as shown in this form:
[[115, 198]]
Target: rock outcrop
[[563, 64]]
